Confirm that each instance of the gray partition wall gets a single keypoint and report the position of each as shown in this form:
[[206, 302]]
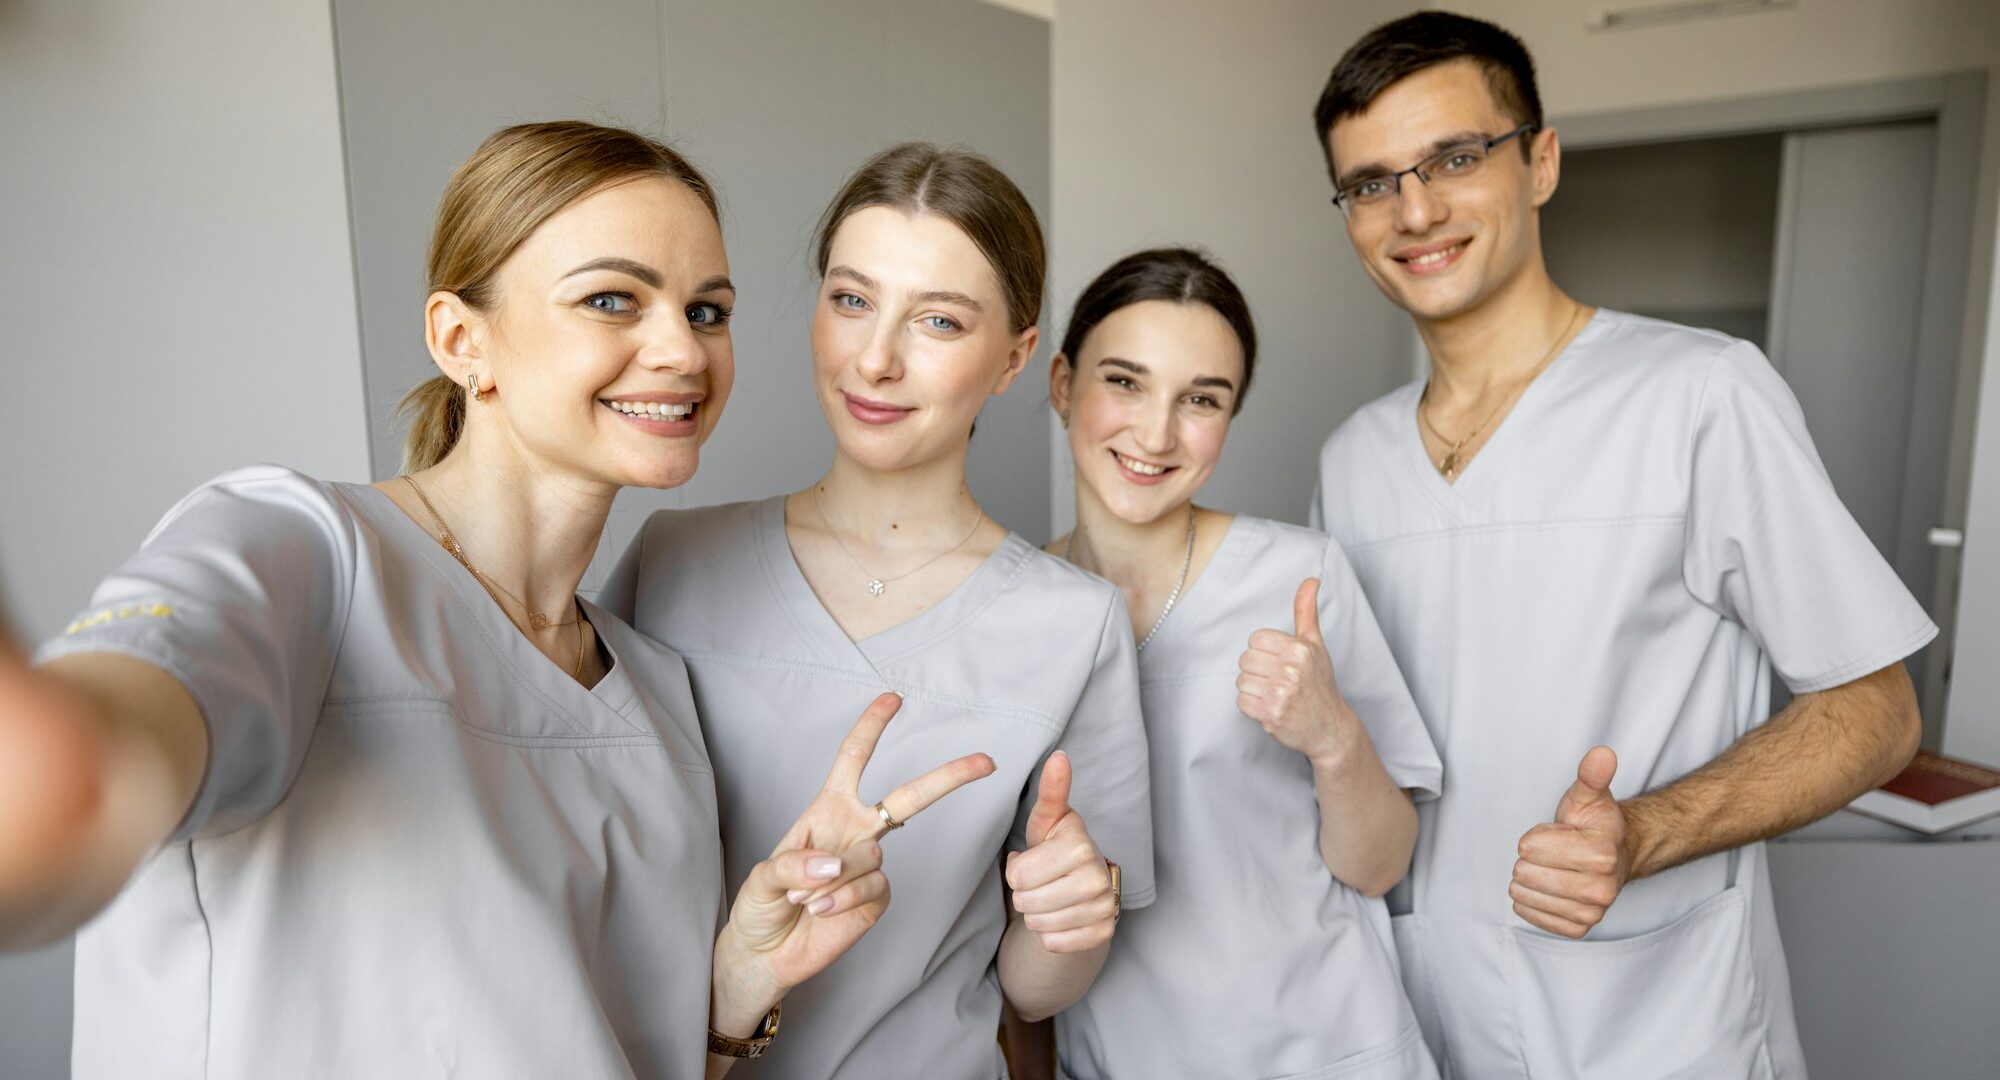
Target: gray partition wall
[[176, 300], [1186, 122], [776, 101]]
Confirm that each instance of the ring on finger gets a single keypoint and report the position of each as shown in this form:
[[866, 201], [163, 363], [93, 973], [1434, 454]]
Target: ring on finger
[[889, 823]]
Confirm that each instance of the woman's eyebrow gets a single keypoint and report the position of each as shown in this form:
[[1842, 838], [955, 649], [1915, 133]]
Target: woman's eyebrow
[[1129, 365], [624, 266], [946, 296], [927, 296]]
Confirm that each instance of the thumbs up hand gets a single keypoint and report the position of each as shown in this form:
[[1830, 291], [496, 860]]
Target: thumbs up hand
[[1572, 869], [1061, 884], [1287, 684]]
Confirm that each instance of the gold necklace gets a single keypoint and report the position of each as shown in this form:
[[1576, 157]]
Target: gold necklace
[[1451, 465], [878, 585], [1187, 560], [535, 618]]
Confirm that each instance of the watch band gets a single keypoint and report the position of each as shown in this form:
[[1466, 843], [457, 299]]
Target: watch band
[[1117, 895], [753, 1047]]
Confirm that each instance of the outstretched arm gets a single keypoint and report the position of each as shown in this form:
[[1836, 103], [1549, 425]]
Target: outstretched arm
[[1824, 749], [100, 756]]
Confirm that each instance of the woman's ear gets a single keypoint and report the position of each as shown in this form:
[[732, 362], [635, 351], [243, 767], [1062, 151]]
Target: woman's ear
[[1017, 358], [1060, 377], [453, 331]]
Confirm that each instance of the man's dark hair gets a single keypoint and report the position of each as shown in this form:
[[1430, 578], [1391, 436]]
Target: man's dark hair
[[1395, 50]]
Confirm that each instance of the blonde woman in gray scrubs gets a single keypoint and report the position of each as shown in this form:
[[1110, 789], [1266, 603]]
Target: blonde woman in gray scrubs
[[347, 781], [1285, 748], [885, 574]]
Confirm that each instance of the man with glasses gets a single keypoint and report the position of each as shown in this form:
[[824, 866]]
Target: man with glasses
[[1589, 537]]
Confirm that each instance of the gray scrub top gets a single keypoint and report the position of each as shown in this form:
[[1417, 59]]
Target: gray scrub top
[[1253, 960], [1029, 655], [1644, 537], [421, 848]]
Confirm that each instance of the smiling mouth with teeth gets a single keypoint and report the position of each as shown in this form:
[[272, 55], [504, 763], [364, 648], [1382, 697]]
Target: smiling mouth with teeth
[[653, 410], [1433, 258], [1141, 467]]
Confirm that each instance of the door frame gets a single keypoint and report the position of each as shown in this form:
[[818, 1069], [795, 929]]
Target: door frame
[[1937, 473]]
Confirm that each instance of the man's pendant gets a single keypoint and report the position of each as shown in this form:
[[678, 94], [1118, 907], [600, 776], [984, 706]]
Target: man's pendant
[[874, 587]]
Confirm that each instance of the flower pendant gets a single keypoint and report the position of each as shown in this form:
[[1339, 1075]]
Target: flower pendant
[[875, 587]]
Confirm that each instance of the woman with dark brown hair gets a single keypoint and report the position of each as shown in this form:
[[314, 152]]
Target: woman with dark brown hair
[[885, 574], [359, 785], [1282, 773]]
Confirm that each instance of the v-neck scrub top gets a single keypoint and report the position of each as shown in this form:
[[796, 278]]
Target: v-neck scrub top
[[420, 848], [1644, 537], [1027, 656], [1253, 960]]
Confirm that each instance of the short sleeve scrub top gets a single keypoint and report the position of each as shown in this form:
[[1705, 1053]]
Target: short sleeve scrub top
[[1027, 656], [1254, 961], [420, 848], [1642, 541]]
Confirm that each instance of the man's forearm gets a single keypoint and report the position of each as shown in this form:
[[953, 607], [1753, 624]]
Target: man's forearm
[[1824, 749]]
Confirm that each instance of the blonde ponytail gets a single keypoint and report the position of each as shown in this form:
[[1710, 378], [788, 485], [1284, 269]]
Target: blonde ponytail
[[435, 411]]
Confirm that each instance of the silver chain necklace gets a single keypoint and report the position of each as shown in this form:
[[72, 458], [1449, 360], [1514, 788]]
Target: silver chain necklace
[[879, 585], [1186, 561]]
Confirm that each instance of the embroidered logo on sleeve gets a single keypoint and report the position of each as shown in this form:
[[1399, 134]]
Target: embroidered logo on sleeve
[[130, 611]]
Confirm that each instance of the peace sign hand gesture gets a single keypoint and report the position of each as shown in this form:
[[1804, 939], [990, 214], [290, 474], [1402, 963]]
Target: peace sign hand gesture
[[823, 887]]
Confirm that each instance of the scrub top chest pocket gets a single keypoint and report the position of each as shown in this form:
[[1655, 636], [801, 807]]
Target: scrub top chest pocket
[[1676, 1003]]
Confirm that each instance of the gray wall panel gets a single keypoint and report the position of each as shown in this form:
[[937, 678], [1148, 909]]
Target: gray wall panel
[[177, 300], [835, 82], [1179, 121], [777, 102], [420, 86]]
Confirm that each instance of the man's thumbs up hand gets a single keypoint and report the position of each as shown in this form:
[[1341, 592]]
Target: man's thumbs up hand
[[1572, 869]]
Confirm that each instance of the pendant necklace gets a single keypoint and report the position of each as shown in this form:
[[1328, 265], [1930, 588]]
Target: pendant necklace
[[1187, 560], [535, 618], [1452, 464], [879, 585]]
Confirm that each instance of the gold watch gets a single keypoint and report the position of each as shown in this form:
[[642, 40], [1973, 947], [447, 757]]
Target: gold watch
[[755, 1046]]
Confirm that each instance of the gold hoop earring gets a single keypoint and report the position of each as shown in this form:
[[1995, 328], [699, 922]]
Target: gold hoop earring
[[472, 387]]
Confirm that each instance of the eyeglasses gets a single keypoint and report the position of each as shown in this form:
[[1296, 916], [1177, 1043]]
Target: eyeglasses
[[1447, 166]]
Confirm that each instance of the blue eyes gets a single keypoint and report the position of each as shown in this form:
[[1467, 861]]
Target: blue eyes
[[624, 304], [943, 324], [708, 315]]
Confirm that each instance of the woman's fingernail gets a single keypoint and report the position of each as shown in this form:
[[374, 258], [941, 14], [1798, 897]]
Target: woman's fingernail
[[823, 867], [820, 906], [796, 895]]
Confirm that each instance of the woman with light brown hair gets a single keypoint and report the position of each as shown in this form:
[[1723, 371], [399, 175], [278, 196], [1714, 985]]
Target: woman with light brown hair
[[358, 784], [885, 574]]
